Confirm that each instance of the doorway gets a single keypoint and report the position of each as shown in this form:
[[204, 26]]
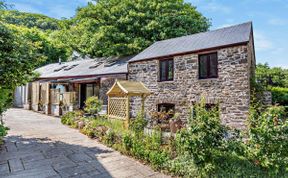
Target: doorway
[[87, 90]]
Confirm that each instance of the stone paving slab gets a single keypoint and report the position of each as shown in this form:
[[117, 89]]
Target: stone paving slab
[[40, 146]]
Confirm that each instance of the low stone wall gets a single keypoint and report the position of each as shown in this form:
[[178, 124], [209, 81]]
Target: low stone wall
[[267, 98]]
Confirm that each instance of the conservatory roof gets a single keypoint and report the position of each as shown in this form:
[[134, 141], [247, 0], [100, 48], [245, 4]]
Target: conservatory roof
[[124, 87]]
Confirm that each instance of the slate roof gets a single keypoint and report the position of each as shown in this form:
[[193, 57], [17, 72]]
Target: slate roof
[[85, 67], [222, 37]]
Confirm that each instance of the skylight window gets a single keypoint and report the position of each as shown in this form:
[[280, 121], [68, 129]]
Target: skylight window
[[96, 65], [57, 70], [110, 63], [71, 67]]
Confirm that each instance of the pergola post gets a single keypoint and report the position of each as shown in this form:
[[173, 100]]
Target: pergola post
[[108, 107], [127, 111], [143, 97]]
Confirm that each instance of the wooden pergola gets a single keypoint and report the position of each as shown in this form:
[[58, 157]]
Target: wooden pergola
[[119, 98]]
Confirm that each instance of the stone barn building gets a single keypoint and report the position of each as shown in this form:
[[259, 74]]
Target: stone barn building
[[217, 65]]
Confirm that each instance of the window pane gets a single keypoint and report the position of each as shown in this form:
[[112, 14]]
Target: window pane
[[166, 107], [170, 70], [89, 90], [203, 66], [163, 70], [96, 90], [213, 65]]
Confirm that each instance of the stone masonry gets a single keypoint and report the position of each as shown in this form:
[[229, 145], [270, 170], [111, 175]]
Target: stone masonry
[[231, 89]]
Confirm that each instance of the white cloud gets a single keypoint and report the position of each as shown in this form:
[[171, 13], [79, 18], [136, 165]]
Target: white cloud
[[217, 7], [225, 25], [262, 43], [277, 21]]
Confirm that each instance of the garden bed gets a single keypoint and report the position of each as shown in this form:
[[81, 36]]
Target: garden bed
[[203, 149]]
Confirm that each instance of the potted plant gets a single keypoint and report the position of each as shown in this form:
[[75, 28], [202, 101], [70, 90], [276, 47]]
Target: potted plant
[[161, 119], [93, 106]]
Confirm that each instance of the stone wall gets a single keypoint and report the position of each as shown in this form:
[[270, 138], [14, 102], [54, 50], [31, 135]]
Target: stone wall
[[106, 83], [231, 89]]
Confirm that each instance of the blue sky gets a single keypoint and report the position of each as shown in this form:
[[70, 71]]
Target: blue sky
[[270, 20]]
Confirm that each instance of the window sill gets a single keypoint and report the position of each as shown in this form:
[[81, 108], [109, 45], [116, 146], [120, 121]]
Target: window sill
[[165, 81], [208, 79]]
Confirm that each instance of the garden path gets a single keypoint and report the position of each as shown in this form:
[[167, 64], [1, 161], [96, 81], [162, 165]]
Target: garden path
[[40, 146]]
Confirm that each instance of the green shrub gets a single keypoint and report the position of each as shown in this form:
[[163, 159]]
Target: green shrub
[[183, 165], [268, 142], [204, 134], [280, 95], [158, 158], [3, 132], [110, 137], [93, 105], [72, 118], [127, 142], [137, 125], [153, 141]]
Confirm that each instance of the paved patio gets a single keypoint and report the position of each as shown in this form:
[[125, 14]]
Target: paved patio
[[40, 146]]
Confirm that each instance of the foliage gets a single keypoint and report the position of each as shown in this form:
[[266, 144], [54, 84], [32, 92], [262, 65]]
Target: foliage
[[18, 59], [204, 134], [3, 130], [280, 96], [29, 20], [205, 148], [97, 127], [93, 105], [268, 141], [138, 124], [148, 148], [125, 27], [6, 98], [71, 118], [183, 165], [271, 77], [3, 5]]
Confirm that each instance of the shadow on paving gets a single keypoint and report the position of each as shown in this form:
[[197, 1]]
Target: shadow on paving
[[38, 157]]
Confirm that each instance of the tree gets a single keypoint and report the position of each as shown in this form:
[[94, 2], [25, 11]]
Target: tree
[[21, 51], [273, 77], [29, 20], [125, 27], [2, 5]]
